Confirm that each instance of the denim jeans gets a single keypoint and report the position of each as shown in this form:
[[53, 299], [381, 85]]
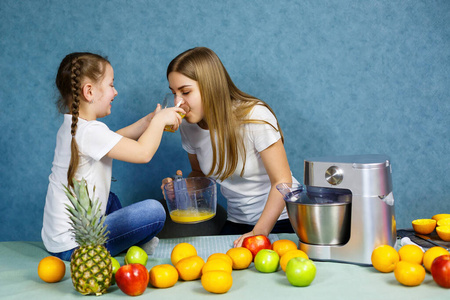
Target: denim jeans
[[135, 224]]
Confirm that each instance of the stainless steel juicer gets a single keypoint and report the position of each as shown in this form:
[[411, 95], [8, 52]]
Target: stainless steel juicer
[[346, 208]]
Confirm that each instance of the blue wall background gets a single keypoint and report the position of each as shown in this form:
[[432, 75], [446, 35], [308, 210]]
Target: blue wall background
[[344, 77]]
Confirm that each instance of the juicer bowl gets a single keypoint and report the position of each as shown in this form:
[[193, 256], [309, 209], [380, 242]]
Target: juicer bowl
[[191, 200], [321, 217]]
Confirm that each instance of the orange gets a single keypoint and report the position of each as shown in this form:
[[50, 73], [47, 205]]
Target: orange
[[241, 257], [217, 282], [384, 258], [409, 274], [181, 251], [440, 216], [163, 276], [411, 253], [291, 254], [444, 232], [424, 226], [51, 269], [217, 264], [443, 222], [223, 256], [283, 246], [431, 254], [190, 268]]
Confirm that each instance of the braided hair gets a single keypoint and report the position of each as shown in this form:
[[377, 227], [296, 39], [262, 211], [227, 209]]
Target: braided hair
[[74, 69]]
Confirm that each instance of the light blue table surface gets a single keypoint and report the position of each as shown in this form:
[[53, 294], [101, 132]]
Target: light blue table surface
[[19, 279]]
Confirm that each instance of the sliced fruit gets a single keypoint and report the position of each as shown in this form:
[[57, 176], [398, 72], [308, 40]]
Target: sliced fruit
[[443, 222], [444, 233], [440, 216], [424, 226]]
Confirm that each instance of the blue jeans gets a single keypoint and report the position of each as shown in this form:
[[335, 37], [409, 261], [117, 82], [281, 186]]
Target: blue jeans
[[135, 224]]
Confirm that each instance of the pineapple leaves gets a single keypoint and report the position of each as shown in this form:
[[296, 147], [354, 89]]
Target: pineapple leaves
[[85, 214]]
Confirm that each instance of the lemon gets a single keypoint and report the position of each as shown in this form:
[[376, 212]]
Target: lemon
[[223, 256], [163, 276], [190, 268], [51, 269], [217, 282], [440, 216], [431, 254], [443, 222], [283, 246], [181, 251], [289, 255], [241, 257], [217, 264], [409, 274], [444, 232], [385, 258], [411, 253], [424, 226]]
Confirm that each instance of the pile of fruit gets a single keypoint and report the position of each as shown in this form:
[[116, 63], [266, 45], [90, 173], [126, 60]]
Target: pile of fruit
[[440, 222], [93, 270], [215, 274], [410, 262]]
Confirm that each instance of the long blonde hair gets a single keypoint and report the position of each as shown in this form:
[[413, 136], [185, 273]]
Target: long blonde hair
[[73, 70], [225, 107]]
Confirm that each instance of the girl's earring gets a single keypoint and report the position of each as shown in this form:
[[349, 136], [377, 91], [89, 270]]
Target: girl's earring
[[91, 102]]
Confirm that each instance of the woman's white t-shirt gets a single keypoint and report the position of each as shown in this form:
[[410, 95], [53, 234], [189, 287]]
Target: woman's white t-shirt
[[247, 195], [94, 141]]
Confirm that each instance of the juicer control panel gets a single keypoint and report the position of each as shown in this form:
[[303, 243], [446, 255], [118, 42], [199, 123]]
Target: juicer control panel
[[334, 175]]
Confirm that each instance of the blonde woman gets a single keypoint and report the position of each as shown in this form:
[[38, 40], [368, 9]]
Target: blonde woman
[[234, 138]]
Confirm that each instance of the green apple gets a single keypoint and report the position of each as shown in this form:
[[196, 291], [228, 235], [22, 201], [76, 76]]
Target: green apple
[[136, 255], [267, 261], [300, 271], [115, 266]]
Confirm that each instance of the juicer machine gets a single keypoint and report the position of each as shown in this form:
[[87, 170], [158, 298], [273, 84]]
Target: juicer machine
[[349, 208]]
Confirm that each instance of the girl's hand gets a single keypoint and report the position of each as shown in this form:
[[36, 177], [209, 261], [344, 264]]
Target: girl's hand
[[150, 116], [170, 116]]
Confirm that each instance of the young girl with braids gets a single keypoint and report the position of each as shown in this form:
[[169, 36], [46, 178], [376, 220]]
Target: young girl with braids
[[86, 147], [234, 138]]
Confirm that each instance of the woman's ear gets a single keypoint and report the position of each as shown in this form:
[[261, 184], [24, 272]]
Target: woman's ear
[[87, 91]]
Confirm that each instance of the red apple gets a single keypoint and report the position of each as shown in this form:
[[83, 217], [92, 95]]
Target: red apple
[[440, 270], [256, 243], [132, 279]]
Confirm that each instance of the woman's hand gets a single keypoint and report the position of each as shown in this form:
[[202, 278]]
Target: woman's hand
[[240, 240], [167, 180], [164, 182]]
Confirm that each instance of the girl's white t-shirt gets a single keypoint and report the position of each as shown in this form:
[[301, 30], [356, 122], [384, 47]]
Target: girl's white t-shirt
[[94, 141], [247, 195]]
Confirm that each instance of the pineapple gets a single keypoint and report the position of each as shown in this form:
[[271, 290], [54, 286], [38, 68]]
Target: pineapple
[[90, 265]]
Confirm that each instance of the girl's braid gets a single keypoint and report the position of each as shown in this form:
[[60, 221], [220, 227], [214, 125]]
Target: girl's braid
[[76, 91]]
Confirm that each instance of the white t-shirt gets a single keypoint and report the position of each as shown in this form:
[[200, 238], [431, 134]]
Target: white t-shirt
[[94, 141], [247, 195]]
